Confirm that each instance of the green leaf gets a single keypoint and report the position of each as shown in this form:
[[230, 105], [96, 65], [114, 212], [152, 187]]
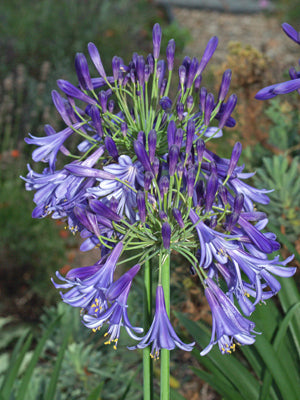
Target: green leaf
[[16, 361], [276, 344], [224, 390], [34, 360], [276, 368], [50, 393], [230, 367], [95, 394], [175, 395]]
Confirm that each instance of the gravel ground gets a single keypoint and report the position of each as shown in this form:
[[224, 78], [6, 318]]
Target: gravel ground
[[260, 30]]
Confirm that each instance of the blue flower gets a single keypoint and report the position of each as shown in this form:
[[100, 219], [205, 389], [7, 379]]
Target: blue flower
[[129, 172], [116, 315], [50, 145], [227, 322], [161, 333], [88, 284]]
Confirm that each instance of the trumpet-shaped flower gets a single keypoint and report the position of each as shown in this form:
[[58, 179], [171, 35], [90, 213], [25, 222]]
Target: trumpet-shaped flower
[[161, 333]]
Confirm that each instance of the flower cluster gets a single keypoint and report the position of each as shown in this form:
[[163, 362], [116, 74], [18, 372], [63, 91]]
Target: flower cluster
[[284, 87], [142, 179]]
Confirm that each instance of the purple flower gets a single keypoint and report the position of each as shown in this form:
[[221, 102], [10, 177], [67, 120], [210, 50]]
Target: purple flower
[[116, 315], [127, 171], [228, 324], [50, 145], [212, 243], [161, 333], [88, 284]]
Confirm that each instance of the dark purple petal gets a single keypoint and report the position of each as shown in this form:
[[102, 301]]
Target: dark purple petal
[[178, 137], [164, 184], [192, 72], [180, 111], [147, 180], [190, 182], [211, 190], [200, 147]]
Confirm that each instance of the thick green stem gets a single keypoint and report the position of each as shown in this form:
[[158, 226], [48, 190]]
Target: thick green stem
[[165, 354], [147, 360]]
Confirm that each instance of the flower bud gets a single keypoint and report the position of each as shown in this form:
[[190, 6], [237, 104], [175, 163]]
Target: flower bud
[[116, 67], [95, 56], [147, 180], [192, 72], [155, 166], [177, 215], [152, 137], [208, 53], [95, 115], [190, 132], [173, 158], [83, 73], [111, 147], [164, 185], [166, 235], [235, 155], [224, 85], [209, 106], [170, 54], [189, 102], [142, 155], [171, 133], [156, 36], [178, 137], [190, 182], [202, 98], [140, 69], [182, 74], [197, 83], [200, 147], [165, 103], [141, 205], [180, 110], [229, 107]]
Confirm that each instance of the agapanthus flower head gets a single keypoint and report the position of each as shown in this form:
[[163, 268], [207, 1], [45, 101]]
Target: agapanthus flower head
[[143, 181]]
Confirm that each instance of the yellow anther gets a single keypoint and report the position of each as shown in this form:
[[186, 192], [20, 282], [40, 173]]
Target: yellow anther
[[105, 334], [108, 342], [94, 330], [115, 347], [222, 349], [96, 310]]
